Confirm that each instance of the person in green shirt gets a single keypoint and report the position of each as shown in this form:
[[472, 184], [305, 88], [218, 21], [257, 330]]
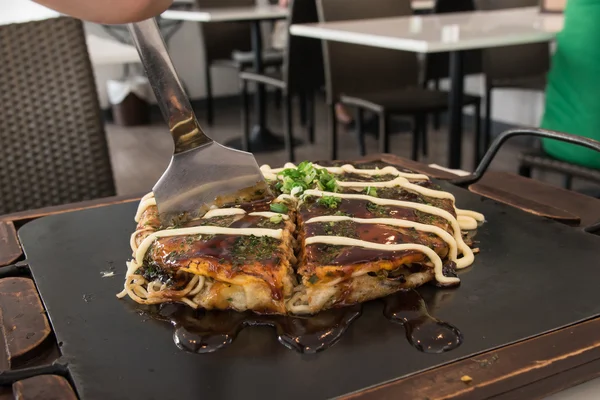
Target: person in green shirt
[[573, 90]]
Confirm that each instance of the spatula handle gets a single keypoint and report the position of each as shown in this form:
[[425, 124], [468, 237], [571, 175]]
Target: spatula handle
[[172, 99]]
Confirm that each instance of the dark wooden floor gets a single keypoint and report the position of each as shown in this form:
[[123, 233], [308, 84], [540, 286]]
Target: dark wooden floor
[[141, 154]]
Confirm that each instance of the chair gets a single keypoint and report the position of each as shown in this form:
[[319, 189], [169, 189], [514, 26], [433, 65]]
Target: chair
[[537, 158], [301, 75], [512, 67], [52, 142], [383, 81], [228, 45]]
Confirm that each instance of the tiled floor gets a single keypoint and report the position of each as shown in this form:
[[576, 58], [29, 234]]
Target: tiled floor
[[141, 154]]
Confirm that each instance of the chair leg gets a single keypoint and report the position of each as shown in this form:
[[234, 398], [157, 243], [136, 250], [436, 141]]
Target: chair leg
[[423, 134], [384, 139], [310, 123], [287, 118], [303, 109], [478, 152], [245, 117], [436, 116], [277, 98], [568, 182], [525, 170], [209, 96], [333, 128], [360, 134], [417, 120], [487, 133]]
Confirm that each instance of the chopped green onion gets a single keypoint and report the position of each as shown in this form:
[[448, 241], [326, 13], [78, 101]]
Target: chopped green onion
[[276, 219], [371, 191], [329, 201], [279, 208], [304, 177]]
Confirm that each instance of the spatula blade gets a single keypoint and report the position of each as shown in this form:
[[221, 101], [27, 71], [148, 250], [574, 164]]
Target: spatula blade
[[202, 172], [210, 175]]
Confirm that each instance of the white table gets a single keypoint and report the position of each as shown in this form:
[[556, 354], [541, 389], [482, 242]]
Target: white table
[[261, 12], [452, 33], [229, 14], [423, 5], [109, 52]]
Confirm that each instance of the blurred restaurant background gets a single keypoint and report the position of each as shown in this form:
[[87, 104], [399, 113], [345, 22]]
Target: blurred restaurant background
[[432, 82], [57, 129]]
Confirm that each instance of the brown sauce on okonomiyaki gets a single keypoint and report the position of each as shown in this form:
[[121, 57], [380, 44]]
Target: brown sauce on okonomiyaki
[[177, 251], [357, 208], [374, 233], [200, 331]]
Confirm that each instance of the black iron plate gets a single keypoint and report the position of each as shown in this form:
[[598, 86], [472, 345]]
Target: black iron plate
[[532, 276]]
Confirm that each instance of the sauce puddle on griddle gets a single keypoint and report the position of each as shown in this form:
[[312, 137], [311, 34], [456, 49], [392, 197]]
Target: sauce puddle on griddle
[[424, 332], [208, 331]]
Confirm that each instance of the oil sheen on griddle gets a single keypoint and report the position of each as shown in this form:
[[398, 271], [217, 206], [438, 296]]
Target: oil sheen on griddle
[[209, 331]]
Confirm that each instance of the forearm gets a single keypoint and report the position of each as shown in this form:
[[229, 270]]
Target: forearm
[[109, 11]]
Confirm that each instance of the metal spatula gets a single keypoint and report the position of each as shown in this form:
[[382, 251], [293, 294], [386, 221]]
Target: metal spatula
[[202, 172]]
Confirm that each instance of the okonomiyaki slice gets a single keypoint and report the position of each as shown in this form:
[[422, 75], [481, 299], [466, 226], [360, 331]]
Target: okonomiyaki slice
[[233, 258], [370, 233]]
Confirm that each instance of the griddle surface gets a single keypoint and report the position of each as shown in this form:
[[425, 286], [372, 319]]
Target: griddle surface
[[532, 276]]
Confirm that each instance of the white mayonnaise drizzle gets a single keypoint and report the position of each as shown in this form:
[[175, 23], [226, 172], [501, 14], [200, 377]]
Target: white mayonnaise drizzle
[[222, 212], [283, 197], [146, 202], [401, 180], [268, 175], [463, 262], [468, 219], [268, 214], [147, 196], [466, 223], [202, 230], [345, 241], [402, 223], [134, 235], [389, 170], [471, 214], [347, 168]]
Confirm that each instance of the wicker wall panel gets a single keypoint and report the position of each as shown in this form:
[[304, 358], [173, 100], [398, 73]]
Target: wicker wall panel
[[53, 147]]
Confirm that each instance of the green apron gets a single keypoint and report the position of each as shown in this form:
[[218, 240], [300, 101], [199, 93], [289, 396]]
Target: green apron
[[573, 91]]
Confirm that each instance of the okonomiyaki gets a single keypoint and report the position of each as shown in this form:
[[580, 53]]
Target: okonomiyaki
[[332, 237]]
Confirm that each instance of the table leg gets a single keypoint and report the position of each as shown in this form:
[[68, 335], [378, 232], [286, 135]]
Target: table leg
[[261, 139], [259, 95], [456, 104]]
